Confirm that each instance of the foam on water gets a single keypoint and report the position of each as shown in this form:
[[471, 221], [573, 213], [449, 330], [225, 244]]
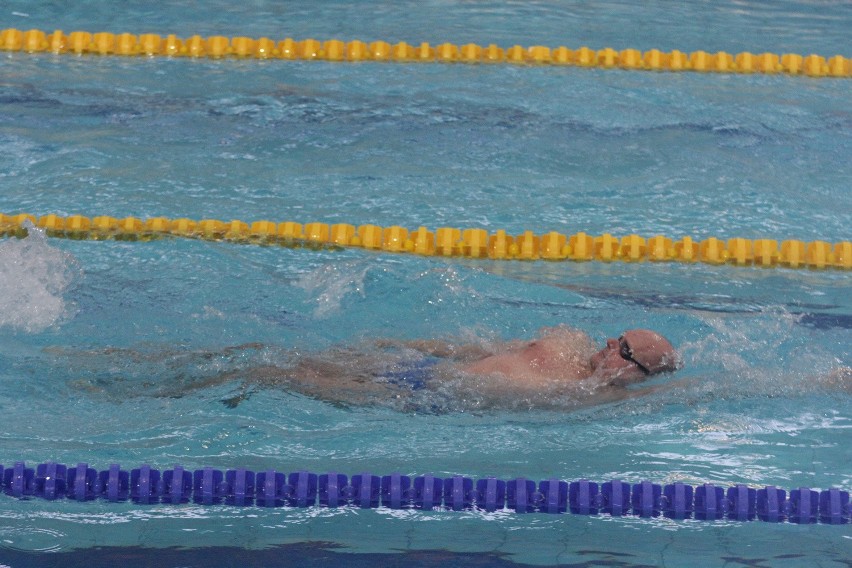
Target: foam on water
[[331, 283], [34, 278]]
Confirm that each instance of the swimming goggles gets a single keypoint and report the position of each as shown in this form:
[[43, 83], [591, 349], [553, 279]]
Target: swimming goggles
[[627, 354]]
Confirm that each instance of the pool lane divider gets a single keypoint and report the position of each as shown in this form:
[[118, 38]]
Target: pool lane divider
[[448, 241], [146, 485], [218, 47]]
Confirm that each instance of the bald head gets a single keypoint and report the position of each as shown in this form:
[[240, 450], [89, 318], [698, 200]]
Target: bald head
[[651, 351]]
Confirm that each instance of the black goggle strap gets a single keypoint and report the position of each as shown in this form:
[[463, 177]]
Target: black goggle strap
[[627, 354]]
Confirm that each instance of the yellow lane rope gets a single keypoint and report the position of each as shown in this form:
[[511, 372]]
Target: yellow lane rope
[[447, 241], [151, 45]]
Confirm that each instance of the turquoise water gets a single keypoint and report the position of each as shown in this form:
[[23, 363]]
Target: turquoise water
[[105, 346]]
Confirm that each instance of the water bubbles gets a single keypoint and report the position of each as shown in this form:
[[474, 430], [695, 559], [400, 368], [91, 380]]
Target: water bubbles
[[34, 277], [330, 284]]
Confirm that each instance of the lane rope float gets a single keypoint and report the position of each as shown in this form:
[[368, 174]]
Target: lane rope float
[[217, 47], [272, 488], [449, 241]]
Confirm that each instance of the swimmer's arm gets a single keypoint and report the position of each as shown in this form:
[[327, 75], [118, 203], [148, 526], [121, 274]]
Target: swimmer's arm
[[654, 389], [438, 348], [615, 393], [326, 381]]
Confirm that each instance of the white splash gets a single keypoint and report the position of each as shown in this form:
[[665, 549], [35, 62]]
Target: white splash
[[330, 284], [33, 278]]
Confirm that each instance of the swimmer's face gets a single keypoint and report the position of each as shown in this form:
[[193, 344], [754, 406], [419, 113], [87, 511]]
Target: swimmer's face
[[637, 354], [609, 363]]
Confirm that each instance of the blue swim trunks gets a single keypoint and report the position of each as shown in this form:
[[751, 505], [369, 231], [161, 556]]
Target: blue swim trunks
[[414, 375]]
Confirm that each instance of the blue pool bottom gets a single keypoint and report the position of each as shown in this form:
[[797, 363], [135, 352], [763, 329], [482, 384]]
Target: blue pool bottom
[[242, 487]]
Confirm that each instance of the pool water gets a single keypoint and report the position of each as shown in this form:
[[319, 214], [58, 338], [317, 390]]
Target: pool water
[[107, 347]]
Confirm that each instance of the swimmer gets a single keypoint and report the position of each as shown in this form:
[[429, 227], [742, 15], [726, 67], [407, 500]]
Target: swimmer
[[634, 356], [559, 358], [561, 369]]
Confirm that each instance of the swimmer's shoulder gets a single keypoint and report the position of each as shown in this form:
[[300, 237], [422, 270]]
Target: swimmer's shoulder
[[568, 335]]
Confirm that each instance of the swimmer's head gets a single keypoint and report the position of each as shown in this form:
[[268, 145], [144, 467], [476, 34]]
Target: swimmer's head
[[636, 355]]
